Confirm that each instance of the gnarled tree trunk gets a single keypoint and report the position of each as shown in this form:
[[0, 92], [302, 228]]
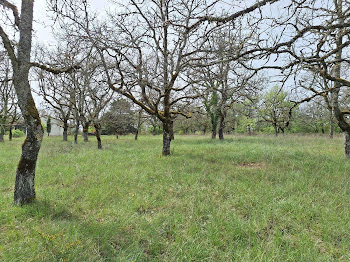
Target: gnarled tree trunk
[[24, 186]]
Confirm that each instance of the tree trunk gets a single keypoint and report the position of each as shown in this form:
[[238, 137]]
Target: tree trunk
[[276, 129], [10, 133], [86, 131], [347, 143], [171, 130], [2, 128], [76, 132], [214, 124], [138, 124], [213, 133], [166, 139], [24, 186], [65, 130], [331, 123], [98, 135], [221, 127]]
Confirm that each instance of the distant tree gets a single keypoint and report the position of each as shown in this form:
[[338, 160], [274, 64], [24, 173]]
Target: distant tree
[[8, 101], [57, 91], [140, 119], [120, 119], [227, 81], [211, 105], [14, 117], [275, 109]]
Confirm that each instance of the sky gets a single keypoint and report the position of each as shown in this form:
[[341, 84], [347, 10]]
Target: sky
[[43, 33], [42, 23]]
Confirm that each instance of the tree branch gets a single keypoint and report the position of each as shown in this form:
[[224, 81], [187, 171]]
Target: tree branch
[[55, 71], [14, 10]]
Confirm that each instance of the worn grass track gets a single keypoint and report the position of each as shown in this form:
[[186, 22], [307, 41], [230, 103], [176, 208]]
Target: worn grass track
[[243, 199]]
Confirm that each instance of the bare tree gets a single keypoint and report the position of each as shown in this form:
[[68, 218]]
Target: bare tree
[[275, 109], [91, 96], [147, 47], [58, 95], [319, 46], [19, 54], [8, 102]]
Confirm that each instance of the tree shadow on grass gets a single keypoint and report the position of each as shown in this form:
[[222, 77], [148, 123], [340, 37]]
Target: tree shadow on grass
[[111, 238], [49, 210]]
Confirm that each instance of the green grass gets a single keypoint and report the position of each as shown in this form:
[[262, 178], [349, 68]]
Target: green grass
[[243, 199]]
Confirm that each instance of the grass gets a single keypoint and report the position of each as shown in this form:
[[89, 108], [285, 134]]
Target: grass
[[242, 199]]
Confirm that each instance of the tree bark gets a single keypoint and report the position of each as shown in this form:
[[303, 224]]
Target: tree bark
[[166, 139], [347, 143], [98, 135], [86, 131], [65, 130], [24, 185], [221, 127], [171, 130]]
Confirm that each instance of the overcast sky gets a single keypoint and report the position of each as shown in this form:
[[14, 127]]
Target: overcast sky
[[42, 25]]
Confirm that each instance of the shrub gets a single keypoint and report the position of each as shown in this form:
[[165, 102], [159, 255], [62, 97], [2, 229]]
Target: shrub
[[18, 133]]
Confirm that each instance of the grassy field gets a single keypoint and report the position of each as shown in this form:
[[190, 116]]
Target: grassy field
[[242, 199]]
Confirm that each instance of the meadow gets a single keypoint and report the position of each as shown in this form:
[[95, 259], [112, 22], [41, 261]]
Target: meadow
[[247, 198]]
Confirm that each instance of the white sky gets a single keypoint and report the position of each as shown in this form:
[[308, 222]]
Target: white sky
[[43, 33], [42, 23]]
